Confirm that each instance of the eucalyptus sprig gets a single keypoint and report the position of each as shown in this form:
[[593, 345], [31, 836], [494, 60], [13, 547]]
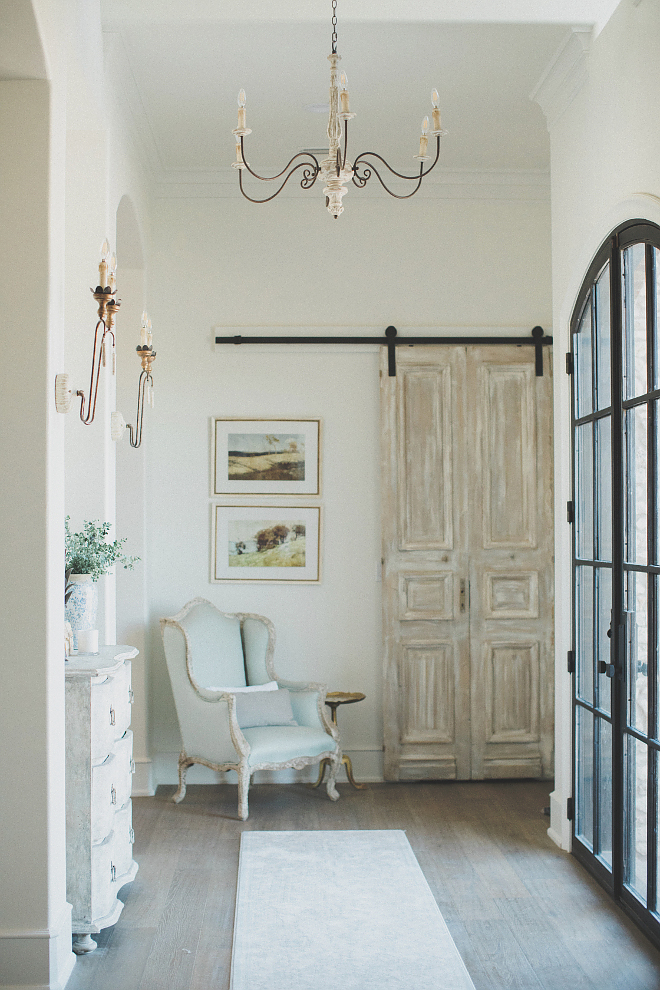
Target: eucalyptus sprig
[[89, 552]]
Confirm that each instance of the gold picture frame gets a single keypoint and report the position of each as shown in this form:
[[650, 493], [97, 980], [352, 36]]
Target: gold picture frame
[[259, 457], [266, 543]]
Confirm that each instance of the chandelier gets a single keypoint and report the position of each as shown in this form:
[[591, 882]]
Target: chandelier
[[336, 170]]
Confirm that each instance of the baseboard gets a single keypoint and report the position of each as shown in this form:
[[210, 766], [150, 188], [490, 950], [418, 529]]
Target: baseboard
[[143, 782], [37, 959], [367, 768]]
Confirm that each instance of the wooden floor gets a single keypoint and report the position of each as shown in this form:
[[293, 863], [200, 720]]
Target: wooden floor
[[522, 913]]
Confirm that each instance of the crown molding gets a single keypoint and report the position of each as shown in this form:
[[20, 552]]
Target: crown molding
[[502, 184], [565, 74]]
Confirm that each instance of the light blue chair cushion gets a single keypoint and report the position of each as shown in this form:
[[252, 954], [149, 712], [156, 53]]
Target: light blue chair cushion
[[264, 708], [216, 648], [255, 642], [279, 743]]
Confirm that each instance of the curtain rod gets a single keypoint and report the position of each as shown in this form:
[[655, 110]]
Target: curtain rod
[[538, 339]]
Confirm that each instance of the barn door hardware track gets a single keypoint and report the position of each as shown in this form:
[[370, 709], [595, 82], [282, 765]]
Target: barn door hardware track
[[538, 340]]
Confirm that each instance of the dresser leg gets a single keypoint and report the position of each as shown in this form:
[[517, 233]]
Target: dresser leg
[[83, 943]]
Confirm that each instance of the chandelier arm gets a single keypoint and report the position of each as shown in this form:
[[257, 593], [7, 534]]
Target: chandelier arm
[[308, 180], [362, 180], [271, 178], [411, 178], [345, 143]]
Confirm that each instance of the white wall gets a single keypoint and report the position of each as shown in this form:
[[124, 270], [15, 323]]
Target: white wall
[[605, 152], [467, 262]]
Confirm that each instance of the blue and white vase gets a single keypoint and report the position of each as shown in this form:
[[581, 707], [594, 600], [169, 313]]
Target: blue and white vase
[[82, 605]]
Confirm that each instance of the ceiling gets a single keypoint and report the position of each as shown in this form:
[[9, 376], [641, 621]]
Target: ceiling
[[182, 65]]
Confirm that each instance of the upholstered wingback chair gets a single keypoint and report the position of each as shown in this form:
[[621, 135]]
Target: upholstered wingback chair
[[234, 712]]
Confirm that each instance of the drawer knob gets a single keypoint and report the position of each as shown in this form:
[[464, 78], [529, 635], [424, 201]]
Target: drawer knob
[[132, 766], [113, 873], [131, 696], [112, 715], [131, 836], [113, 796]]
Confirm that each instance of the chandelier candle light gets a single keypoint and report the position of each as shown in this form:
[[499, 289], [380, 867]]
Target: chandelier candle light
[[336, 170]]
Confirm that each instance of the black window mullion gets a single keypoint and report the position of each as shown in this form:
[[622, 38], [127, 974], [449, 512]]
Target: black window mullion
[[618, 638], [596, 814], [652, 608]]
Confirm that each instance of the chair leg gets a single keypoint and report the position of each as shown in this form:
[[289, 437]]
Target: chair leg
[[335, 764], [243, 788], [184, 763]]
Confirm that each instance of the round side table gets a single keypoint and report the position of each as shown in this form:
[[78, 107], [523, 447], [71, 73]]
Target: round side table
[[333, 700]]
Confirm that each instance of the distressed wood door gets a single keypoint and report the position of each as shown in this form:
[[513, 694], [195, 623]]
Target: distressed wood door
[[467, 554]]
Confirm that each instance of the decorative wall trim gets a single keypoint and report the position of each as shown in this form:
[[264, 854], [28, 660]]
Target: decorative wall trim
[[564, 75], [503, 184], [367, 767], [32, 955], [143, 785]]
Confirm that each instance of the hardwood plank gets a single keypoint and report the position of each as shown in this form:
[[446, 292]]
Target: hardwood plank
[[172, 957]]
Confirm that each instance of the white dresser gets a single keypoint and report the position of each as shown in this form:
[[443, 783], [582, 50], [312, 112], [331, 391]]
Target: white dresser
[[99, 768]]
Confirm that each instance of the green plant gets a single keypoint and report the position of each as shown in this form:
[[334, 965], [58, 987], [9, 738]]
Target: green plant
[[89, 552]]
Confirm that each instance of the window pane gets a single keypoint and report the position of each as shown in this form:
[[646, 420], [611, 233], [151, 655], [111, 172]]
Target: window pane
[[605, 791], [583, 366], [603, 393], [584, 776], [584, 633], [604, 616], [604, 488], [636, 616], [584, 492], [635, 786], [634, 321], [656, 488], [656, 256], [635, 495]]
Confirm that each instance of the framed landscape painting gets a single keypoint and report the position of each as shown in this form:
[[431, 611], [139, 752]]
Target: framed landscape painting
[[266, 457], [265, 543]]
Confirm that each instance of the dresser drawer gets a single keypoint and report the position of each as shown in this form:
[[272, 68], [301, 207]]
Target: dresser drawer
[[103, 806], [123, 774], [122, 851], [122, 699], [104, 884]]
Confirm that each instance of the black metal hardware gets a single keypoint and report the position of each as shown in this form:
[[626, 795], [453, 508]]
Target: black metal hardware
[[570, 514], [570, 661], [537, 334], [392, 340], [570, 810], [390, 333], [606, 668], [569, 363]]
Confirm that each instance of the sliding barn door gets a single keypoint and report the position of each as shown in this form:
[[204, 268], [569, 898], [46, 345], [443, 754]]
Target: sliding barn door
[[467, 528]]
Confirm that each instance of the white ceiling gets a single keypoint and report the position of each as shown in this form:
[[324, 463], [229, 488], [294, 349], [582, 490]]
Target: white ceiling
[[182, 65]]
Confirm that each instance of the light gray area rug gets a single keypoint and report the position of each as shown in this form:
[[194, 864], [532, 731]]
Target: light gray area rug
[[338, 911]]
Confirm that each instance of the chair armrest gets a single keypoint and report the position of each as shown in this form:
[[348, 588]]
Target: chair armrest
[[308, 704]]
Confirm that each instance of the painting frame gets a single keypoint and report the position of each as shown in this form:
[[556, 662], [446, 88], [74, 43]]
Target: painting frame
[[262, 557], [279, 457]]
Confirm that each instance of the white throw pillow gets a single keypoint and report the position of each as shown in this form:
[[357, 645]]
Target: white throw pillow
[[270, 686], [264, 708]]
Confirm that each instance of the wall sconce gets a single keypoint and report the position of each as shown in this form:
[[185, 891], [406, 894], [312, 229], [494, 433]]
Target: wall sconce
[[147, 356], [108, 305]]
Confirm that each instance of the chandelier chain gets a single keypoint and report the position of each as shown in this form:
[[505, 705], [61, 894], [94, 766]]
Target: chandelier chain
[[334, 27]]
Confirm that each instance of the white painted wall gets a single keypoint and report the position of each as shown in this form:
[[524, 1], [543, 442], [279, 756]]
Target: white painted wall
[[468, 262], [605, 169], [57, 179]]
